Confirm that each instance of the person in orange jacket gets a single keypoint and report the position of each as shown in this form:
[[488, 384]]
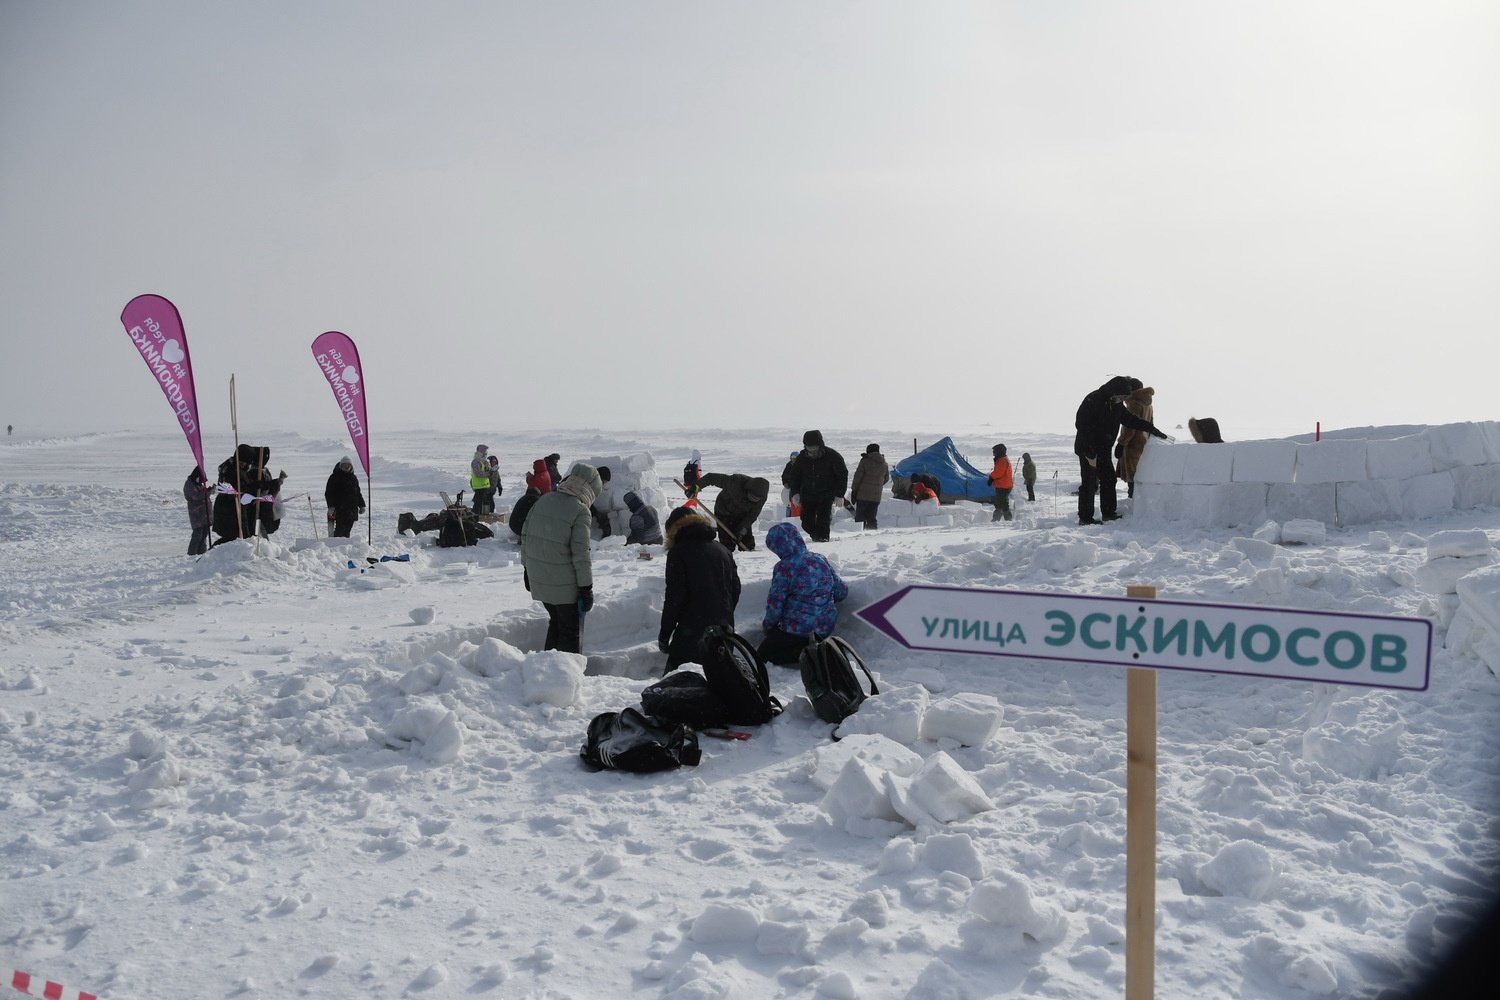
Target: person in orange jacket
[[1003, 479], [920, 492]]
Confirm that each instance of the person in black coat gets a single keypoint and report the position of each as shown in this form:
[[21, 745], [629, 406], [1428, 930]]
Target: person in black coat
[[522, 506], [703, 586], [739, 503], [195, 491], [1098, 424], [343, 497], [816, 477]]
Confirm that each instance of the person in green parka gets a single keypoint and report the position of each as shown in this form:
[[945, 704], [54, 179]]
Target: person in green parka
[[1028, 474], [555, 559]]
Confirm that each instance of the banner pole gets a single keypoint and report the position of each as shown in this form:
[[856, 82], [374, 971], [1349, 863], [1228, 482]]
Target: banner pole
[[1140, 825], [234, 423], [369, 511]]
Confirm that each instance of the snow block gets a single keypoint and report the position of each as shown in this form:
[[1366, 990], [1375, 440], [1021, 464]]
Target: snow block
[[895, 713], [1479, 593], [642, 462], [1337, 461], [1161, 463], [1243, 868], [941, 792], [1426, 496], [1476, 486], [1234, 504], [1303, 531], [1472, 542], [1367, 501], [968, 719], [1399, 458], [1264, 461], [1062, 557], [552, 677], [1255, 549], [1490, 431], [1289, 501], [859, 795], [1208, 464], [824, 764], [1441, 575], [1456, 444], [891, 509], [953, 852]]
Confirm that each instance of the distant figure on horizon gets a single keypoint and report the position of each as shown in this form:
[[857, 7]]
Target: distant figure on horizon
[[1028, 475], [8, 429]]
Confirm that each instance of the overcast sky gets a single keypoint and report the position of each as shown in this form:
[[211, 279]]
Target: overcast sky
[[649, 214]]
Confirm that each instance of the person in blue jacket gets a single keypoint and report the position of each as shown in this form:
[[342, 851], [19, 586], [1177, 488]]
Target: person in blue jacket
[[800, 605]]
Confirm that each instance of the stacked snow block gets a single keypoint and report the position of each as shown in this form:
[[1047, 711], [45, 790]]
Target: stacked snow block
[[630, 474], [1341, 482]]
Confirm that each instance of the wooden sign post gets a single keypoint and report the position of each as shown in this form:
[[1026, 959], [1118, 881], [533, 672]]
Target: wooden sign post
[[1140, 826]]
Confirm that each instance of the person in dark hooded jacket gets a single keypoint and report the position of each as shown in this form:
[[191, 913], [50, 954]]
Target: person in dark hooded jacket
[[816, 477], [703, 586], [1098, 422], [645, 523], [800, 604], [522, 506], [196, 492], [344, 499], [739, 503], [247, 475]]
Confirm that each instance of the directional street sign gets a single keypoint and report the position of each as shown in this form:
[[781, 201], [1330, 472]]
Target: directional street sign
[[1285, 643]]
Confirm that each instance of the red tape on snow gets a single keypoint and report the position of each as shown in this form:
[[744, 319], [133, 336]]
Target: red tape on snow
[[21, 983]]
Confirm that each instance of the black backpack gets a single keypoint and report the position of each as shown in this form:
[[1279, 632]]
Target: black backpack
[[630, 741], [829, 678], [737, 674], [684, 696]]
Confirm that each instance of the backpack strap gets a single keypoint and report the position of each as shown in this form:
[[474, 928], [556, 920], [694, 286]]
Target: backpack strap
[[853, 656]]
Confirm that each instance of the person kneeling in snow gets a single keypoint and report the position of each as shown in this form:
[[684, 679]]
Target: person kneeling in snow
[[703, 586], [645, 523], [804, 590]]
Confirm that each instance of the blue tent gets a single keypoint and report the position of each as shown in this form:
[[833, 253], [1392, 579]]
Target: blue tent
[[959, 479]]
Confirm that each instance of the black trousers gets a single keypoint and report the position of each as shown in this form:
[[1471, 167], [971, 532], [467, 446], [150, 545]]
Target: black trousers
[[343, 522], [564, 628], [817, 515], [199, 544], [783, 648], [865, 511], [1100, 477]]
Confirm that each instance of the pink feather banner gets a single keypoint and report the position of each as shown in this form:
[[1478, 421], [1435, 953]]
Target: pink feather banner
[[338, 359], [155, 328]]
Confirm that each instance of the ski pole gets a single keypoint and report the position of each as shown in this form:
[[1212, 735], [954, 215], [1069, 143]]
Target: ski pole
[[311, 518]]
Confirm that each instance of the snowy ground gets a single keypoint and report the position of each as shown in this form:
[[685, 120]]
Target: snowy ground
[[253, 775]]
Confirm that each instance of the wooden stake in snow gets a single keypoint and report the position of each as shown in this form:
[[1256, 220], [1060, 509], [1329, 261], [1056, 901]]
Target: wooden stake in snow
[[1140, 826]]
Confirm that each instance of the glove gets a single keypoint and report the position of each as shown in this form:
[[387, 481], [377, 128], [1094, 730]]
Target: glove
[[361, 508], [526, 579], [663, 641], [331, 515], [585, 600]]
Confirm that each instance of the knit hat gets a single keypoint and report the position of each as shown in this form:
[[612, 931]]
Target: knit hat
[[872, 449], [482, 447], [812, 439], [998, 451], [345, 461]]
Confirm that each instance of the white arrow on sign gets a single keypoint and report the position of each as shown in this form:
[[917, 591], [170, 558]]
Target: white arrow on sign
[[1284, 643]]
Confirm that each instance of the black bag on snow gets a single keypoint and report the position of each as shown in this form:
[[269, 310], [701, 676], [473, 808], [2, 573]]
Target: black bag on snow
[[736, 673], [829, 678], [461, 529], [630, 741], [684, 696]]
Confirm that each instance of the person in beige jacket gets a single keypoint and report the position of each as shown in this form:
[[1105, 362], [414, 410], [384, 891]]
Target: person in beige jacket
[[870, 477], [1132, 441]]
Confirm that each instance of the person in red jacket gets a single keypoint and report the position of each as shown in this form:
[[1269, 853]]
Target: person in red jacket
[[920, 492], [1003, 479]]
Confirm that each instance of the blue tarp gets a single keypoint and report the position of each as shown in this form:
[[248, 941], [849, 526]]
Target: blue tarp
[[961, 481]]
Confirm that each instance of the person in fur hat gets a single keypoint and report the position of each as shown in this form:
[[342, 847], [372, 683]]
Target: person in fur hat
[[703, 586], [1133, 440]]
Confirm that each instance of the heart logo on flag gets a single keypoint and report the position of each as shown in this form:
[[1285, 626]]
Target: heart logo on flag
[[350, 375], [171, 352]]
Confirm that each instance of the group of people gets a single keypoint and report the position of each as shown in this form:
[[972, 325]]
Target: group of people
[[484, 479], [1122, 402]]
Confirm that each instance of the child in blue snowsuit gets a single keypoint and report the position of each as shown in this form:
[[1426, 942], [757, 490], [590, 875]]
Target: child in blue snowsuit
[[800, 605]]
